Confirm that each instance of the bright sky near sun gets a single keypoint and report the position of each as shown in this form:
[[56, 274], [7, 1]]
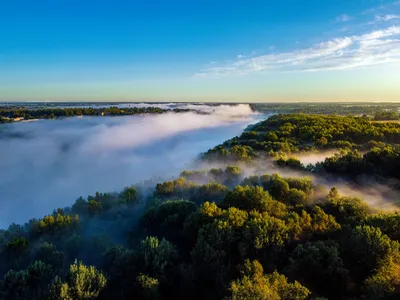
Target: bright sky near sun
[[200, 50]]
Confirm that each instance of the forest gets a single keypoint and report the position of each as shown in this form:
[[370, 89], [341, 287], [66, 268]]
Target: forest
[[374, 111], [233, 229], [363, 146], [9, 114], [387, 115], [347, 108]]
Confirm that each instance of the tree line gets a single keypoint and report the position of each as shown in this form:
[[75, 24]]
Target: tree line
[[8, 114], [369, 109], [387, 115]]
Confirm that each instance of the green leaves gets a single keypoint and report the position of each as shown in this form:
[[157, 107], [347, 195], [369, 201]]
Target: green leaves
[[346, 210], [129, 195], [82, 283], [248, 198], [31, 283], [255, 285], [148, 286], [155, 256], [319, 265], [368, 247], [263, 231]]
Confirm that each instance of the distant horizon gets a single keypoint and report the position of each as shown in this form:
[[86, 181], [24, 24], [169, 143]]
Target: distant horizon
[[205, 102]]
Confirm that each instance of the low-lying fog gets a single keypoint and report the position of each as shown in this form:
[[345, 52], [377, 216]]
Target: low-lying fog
[[49, 163]]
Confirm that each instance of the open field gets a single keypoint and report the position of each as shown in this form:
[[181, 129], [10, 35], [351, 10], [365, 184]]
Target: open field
[[387, 121]]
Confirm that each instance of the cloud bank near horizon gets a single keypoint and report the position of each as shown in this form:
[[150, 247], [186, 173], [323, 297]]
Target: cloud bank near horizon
[[50, 163]]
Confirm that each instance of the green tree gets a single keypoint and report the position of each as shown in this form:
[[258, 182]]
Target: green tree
[[17, 249], [263, 230], [253, 284], [296, 196], [367, 249], [319, 265], [322, 222], [82, 283], [167, 218], [346, 210], [129, 195], [210, 191], [384, 283], [156, 257], [148, 287], [31, 283], [278, 188], [248, 198], [49, 254]]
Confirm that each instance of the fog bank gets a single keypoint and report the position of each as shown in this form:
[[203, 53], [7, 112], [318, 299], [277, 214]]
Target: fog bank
[[379, 196], [49, 163]]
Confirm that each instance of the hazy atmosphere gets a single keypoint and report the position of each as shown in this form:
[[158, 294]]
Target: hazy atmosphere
[[58, 161], [219, 150]]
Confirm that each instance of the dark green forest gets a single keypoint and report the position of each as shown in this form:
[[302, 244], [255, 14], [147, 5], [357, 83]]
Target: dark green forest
[[379, 110], [387, 115], [363, 146], [8, 114], [227, 231]]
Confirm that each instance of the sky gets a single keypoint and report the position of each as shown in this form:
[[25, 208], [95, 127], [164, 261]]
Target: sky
[[200, 50]]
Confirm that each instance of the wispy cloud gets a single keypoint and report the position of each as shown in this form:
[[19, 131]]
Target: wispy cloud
[[385, 18], [382, 7], [372, 48], [344, 18]]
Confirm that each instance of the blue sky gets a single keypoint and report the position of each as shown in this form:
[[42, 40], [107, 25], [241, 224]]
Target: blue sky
[[288, 50]]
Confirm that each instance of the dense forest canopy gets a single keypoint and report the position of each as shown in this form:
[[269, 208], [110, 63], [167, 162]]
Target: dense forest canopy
[[225, 232], [359, 108], [363, 146], [299, 132], [387, 115]]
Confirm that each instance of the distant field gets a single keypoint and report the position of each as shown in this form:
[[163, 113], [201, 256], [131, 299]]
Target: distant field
[[386, 121]]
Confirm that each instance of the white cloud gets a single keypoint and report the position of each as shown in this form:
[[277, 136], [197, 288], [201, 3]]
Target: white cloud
[[377, 34], [373, 48], [385, 18], [343, 18]]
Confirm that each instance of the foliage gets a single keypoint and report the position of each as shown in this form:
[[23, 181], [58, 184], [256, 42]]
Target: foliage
[[213, 234], [255, 285], [82, 282], [248, 198], [51, 113], [384, 161], [291, 133]]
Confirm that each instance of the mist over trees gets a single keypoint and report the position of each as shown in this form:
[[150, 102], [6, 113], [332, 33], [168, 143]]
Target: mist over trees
[[227, 231], [268, 237], [72, 157]]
